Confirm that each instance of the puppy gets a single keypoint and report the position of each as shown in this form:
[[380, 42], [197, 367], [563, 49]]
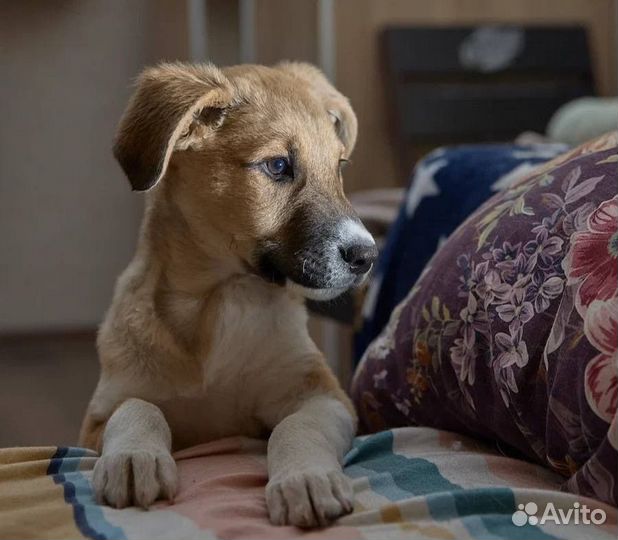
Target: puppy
[[206, 336]]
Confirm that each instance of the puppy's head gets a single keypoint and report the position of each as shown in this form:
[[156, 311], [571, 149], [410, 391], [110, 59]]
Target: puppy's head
[[251, 159]]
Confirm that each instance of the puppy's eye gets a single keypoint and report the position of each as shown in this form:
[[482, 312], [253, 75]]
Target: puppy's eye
[[278, 168]]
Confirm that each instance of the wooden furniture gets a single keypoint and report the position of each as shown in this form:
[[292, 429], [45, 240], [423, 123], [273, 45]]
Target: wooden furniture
[[359, 70], [478, 83]]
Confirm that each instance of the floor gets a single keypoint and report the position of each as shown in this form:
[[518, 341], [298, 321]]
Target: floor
[[45, 386]]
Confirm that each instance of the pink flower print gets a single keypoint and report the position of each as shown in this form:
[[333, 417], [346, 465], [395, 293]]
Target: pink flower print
[[593, 257], [601, 376]]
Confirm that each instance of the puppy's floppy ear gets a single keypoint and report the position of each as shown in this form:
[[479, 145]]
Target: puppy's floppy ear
[[335, 103], [175, 106]]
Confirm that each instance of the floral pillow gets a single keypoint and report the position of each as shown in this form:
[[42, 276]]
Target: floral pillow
[[511, 332]]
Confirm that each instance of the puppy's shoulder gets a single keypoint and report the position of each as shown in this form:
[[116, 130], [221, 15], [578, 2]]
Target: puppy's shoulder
[[133, 338]]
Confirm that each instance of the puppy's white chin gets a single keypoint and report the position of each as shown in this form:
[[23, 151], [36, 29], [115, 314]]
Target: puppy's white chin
[[320, 295]]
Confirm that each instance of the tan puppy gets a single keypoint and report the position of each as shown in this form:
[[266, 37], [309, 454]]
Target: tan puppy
[[206, 336]]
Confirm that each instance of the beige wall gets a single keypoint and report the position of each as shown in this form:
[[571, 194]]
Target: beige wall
[[286, 30], [67, 217], [358, 23], [223, 32]]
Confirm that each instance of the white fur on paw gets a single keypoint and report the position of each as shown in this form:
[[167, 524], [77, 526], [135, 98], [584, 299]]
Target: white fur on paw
[[309, 498], [134, 477]]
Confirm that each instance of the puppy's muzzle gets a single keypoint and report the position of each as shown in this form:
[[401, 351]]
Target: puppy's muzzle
[[359, 257], [321, 265]]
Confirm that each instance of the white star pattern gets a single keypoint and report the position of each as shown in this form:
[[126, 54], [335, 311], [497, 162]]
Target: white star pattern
[[424, 184], [508, 179]]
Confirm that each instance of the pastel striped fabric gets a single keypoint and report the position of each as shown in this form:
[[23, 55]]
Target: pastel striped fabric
[[418, 483]]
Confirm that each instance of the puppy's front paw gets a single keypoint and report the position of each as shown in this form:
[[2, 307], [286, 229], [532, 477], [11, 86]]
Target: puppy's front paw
[[309, 498], [134, 477]]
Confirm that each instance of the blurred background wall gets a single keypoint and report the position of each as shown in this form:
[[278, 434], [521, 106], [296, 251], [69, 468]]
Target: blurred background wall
[[68, 220]]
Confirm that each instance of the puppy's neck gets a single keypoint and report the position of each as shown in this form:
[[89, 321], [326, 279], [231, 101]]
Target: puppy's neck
[[189, 277]]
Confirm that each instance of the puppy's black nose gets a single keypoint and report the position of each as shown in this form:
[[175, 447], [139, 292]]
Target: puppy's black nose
[[359, 257]]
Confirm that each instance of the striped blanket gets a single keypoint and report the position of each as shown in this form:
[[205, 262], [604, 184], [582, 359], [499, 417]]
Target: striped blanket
[[416, 483]]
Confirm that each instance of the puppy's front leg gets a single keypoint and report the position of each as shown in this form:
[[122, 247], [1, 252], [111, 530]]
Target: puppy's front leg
[[306, 485], [135, 466]]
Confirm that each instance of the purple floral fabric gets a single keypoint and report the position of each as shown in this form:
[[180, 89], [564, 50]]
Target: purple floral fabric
[[511, 332]]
